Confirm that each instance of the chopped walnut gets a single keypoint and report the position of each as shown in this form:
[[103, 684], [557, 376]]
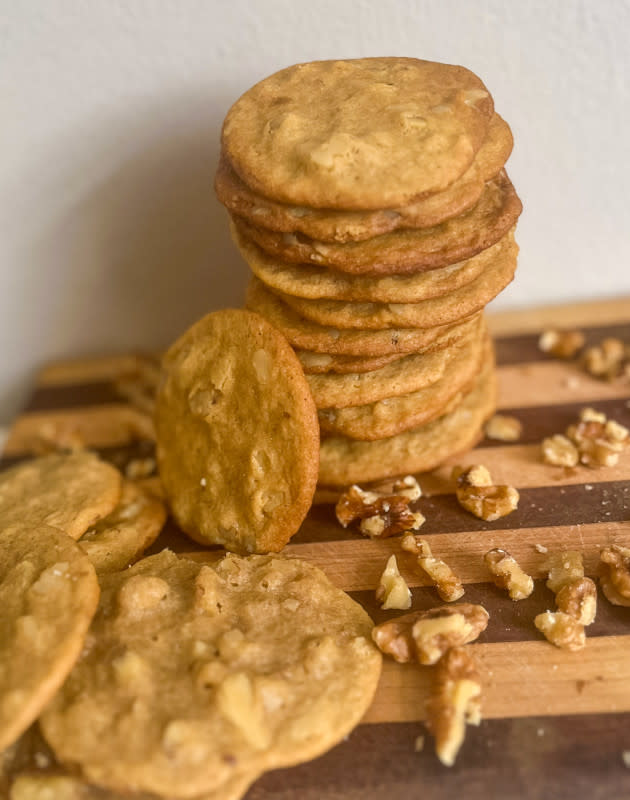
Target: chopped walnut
[[455, 702], [564, 568], [605, 360], [476, 493], [139, 468], [598, 439], [446, 582], [615, 578], [561, 629], [560, 451], [508, 574], [504, 428], [380, 515], [562, 344], [578, 599], [427, 635], [392, 590]]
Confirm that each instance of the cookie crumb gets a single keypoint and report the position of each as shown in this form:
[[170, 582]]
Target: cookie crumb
[[203, 483], [540, 548], [625, 757], [418, 745]]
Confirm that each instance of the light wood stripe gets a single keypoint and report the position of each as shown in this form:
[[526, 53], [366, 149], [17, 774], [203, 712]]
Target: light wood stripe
[[89, 370], [356, 565], [109, 425], [534, 384], [520, 679], [522, 466], [580, 315]]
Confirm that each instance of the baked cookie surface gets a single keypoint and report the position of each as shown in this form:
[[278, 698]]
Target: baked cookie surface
[[48, 595], [345, 226], [69, 492], [237, 434], [357, 134], [266, 662]]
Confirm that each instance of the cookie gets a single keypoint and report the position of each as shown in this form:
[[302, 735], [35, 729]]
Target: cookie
[[344, 461], [307, 335], [455, 305], [344, 226], [316, 283], [408, 374], [403, 251], [120, 538], [69, 492], [393, 415], [359, 134], [237, 434], [322, 363], [196, 674], [48, 595]]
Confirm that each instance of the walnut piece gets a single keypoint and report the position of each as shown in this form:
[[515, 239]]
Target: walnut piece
[[599, 440], [615, 578], [563, 568], [455, 702], [445, 581], [380, 515], [426, 635], [504, 428], [560, 451], [605, 360], [578, 599], [508, 574], [476, 493], [392, 590], [561, 343], [561, 629], [237, 702]]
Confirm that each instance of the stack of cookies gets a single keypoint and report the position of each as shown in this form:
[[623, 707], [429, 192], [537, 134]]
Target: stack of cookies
[[370, 200]]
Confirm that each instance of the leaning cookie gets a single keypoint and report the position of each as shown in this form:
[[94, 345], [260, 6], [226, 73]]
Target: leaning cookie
[[197, 674], [237, 434], [48, 595]]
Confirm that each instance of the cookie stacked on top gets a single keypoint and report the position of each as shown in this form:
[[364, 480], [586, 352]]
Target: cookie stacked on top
[[370, 200]]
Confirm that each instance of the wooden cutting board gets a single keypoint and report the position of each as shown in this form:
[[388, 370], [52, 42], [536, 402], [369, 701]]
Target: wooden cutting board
[[556, 724]]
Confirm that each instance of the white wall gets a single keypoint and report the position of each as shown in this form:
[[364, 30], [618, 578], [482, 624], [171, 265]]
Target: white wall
[[110, 114]]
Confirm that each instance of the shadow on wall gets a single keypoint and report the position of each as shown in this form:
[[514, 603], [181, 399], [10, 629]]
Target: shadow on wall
[[135, 246]]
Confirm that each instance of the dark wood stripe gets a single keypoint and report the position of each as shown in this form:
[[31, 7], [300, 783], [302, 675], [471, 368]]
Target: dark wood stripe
[[47, 398], [538, 758], [509, 621], [541, 421], [545, 506], [524, 348]]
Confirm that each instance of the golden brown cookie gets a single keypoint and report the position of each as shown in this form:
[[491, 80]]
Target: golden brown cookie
[[343, 226], [322, 363], [456, 305], [48, 595], [237, 434], [315, 283], [69, 492], [267, 664], [307, 335], [408, 374], [359, 134], [344, 461], [120, 538], [403, 251], [393, 415]]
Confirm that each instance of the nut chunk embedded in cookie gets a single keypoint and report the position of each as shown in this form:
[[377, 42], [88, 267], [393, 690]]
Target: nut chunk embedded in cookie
[[476, 493], [455, 703], [237, 434], [444, 579], [427, 635], [381, 514], [508, 574]]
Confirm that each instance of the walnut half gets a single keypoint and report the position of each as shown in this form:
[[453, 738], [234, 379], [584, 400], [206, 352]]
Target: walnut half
[[426, 635], [381, 515], [455, 702]]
